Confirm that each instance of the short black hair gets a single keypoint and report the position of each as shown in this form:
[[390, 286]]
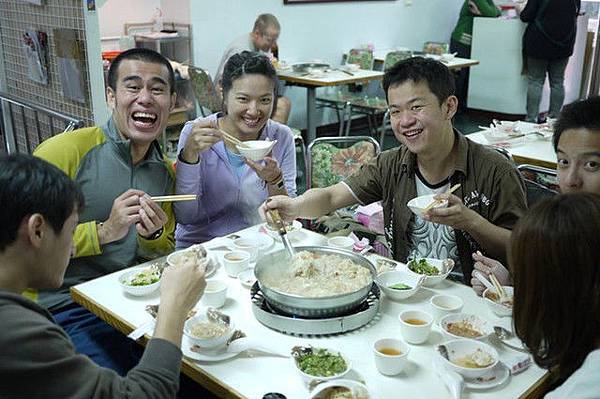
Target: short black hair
[[139, 54], [247, 62], [31, 185], [579, 114], [421, 70]]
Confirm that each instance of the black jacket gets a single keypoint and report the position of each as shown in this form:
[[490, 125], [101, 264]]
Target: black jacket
[[552, 26]]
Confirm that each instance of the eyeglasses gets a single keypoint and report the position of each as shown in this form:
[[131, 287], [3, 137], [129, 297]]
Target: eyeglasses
[[269, 38]]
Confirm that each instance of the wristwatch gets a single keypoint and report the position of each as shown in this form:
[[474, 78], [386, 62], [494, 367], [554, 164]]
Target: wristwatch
[[279, 183], [154, 235]]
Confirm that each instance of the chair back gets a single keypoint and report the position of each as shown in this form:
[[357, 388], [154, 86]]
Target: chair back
[[540, 182], [332, 159], [393, 57], [361, 57], [437, 48], [204, 91]]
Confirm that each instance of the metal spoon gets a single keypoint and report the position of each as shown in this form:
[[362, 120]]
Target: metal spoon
[[502, 333], [443, 351]]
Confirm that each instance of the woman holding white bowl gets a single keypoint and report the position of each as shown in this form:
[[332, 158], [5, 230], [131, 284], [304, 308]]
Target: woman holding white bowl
[[230, 187]]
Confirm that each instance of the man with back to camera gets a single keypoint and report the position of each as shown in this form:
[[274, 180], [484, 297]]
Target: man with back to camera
[[118, 166], [263, 37], [432, 158], [39, 214]]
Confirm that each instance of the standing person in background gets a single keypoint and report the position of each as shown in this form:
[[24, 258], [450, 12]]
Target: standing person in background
[[460, 41], [548, 43], [263, 38]]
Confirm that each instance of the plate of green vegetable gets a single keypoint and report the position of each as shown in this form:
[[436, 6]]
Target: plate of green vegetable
[[319, 363], [434, 270], [399, 284], [141, 281]]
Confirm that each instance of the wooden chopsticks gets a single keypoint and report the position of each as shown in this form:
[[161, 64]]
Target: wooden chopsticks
[[498, 286], [174, 198], [435, 202]]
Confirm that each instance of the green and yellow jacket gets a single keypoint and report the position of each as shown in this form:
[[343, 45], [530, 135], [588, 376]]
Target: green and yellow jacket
[[99, 160]]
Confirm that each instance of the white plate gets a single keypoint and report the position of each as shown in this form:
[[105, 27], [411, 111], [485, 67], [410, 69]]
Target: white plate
[[213, 355], [496, 377]]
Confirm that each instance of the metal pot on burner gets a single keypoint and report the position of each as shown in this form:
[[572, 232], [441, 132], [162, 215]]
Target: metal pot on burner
[[310, 307]]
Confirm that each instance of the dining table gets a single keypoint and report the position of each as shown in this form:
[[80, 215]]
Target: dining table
[[454, 64], [312, 81], [253, 373], [531, 149]]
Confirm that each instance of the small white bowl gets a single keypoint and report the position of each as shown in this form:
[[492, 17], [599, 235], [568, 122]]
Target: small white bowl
[[431, 281], [247, 278], [385, 279], [206, 342], [459, 348], [475, 321], [341, 242], [307, 378], [236, 262], [255, 244], [175, 257], [136, 290], [215, 294], [323, 390], [497, 308], [418, 204], [256, 149], [441, 305], [292, 230], [388, 363]]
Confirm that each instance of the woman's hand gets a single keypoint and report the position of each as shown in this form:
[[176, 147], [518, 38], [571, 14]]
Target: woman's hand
[[488, 266], [203, 136], [269, 172]]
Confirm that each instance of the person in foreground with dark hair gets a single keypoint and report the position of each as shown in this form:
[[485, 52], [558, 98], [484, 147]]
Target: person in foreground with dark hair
[[577, 144], [555, 261], [119, 166], [432, 158], [39, 214], [230, 187]]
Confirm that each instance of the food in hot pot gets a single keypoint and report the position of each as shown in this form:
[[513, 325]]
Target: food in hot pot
[[316, 275]]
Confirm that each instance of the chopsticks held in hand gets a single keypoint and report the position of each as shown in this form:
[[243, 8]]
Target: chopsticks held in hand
[[174, 198], [498, 286], [435, 202], [230, 138]]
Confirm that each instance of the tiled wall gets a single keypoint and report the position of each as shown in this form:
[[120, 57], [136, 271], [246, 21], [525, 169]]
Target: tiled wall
[[17, 16]]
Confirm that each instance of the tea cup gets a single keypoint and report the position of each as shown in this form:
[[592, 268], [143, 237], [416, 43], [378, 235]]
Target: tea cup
[[235, 262], [415, 326], [390, 355]]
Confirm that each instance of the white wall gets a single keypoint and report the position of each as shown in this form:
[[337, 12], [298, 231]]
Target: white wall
[[320, 31]]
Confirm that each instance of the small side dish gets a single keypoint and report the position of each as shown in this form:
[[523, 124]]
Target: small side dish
[[421, 266], [319, 363]]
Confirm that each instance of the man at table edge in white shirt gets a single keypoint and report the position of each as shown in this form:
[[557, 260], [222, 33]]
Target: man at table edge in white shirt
[[39, 213]]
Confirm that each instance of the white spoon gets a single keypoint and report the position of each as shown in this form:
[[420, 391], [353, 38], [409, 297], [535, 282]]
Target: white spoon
[[245, 344]]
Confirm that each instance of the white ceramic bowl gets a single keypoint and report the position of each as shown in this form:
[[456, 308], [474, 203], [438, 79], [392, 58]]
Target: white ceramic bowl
[[215, 294], [498, 309], [307, 378], [174, 258], [385, 279], [206, 342], [459, 348], [136, 290], [256, 149], [256, 244], [441, 305], [387, 363], [323, 390], [292, 230], [341, 242], [431, 281], [247, 278], [236, 261], [417, 204], [475, 321]]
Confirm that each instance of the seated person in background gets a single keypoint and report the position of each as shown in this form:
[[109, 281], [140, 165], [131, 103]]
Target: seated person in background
[[577, 144], [118, 166], [555, 261], [230, 188], [432, 158], [39, 214], [263, 38]]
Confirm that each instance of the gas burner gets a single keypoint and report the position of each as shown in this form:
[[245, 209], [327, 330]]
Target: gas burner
[[299, 326]]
